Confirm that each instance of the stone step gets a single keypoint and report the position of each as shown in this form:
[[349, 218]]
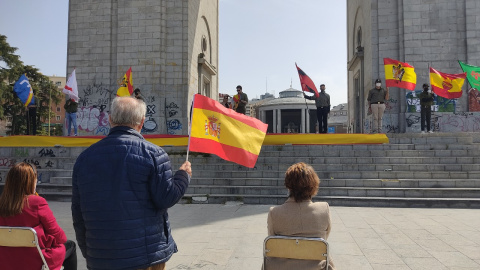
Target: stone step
[[343, 191], [206, 190], [382, 174], [283, 163], [335, 182], [342, 201], [332, 167], [406, 183]]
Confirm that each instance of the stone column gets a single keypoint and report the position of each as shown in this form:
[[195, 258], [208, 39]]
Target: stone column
[[302, 130]]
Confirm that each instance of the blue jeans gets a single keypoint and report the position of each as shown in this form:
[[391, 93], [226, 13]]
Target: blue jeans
[[72, 119]]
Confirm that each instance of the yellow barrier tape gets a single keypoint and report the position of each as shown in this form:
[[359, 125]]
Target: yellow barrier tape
[[270, 139]]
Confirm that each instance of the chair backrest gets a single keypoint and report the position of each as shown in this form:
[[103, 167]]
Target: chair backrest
[[21, 237], [300, 248]]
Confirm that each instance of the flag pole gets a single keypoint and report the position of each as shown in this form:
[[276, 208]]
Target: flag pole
[[190, 126]]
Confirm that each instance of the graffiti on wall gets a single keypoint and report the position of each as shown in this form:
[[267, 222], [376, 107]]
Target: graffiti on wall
[[389, 124], [93, 119], [174, 125], [391, 105], [446, 122], [440, 104], [96, 95], [150, 124]]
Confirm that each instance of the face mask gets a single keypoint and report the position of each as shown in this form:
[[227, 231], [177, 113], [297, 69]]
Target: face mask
[[378, 84]]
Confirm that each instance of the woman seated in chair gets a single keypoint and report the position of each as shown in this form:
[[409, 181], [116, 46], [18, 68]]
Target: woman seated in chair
[[21, 207], [299, 216]]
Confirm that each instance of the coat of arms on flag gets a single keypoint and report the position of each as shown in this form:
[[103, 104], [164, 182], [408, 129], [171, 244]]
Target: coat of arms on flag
[[447, 85], [399, 74], [221, 131], [126, 86]]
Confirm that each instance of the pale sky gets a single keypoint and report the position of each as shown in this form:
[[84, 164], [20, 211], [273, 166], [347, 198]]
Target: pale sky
[[260, 41]]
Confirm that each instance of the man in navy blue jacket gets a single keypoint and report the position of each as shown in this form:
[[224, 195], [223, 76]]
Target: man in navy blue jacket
[[122, 188]]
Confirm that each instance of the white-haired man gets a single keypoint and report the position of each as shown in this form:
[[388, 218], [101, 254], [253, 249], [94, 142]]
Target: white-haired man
[[122, 188]]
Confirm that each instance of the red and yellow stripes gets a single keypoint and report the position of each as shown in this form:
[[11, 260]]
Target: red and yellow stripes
[[225, 133], [399, 74], [447, 85], [127, 84]]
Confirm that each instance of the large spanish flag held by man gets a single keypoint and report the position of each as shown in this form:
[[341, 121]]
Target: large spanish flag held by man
[[221, 131], [399, 74], [447, 85], [126, 87], [306, 83]]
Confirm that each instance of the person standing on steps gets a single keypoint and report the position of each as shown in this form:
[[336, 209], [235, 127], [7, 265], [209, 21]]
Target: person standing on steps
[[323, 108], [241, 100], [71, 110], [376, 99], [426, 102]]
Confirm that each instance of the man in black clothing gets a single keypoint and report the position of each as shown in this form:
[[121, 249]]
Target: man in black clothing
[[323, 108], [32, 119], [426, 102]]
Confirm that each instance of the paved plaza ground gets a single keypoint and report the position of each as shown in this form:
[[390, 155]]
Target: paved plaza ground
[[230, 237]]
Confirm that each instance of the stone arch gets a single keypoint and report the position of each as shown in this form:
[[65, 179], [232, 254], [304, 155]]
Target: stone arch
[[209, 39], [358, 22]]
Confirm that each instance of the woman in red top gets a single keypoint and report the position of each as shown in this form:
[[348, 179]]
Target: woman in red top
[[21, 207]]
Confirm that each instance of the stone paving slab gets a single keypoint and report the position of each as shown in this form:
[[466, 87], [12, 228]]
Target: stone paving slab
[[230, 236]]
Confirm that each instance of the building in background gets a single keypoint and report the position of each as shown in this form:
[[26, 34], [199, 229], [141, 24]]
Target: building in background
[[57, 122], [170, 45], [338, 119], [423, 33], [292, 113]]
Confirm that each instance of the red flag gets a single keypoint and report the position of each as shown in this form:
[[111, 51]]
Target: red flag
[[306, 82], [230, 135]]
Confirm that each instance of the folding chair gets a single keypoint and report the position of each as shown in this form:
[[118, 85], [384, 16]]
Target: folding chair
[[300, 248], [21, 237]]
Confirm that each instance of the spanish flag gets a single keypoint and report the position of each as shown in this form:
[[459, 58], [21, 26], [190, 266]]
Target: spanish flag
[[230, 135], [399, 74], [126, 88], [447, 85]]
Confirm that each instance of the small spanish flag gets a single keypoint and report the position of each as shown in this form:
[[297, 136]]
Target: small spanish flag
[[399, 74], [230, 135], [126, 87], [447, 85]]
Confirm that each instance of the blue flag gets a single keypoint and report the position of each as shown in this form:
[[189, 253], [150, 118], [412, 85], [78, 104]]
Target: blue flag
[[24, 91]]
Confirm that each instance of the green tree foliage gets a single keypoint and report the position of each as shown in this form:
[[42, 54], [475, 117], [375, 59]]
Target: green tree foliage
[[11, 68]]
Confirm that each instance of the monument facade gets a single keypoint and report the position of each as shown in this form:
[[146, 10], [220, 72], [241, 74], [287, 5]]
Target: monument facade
[[423, 33], [171, 46]]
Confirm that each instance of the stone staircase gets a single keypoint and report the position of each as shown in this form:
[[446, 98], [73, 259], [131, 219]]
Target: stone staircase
[[413, 170]]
